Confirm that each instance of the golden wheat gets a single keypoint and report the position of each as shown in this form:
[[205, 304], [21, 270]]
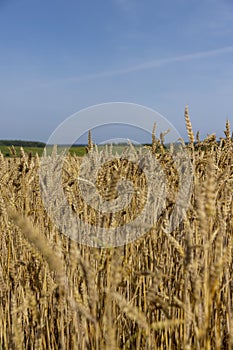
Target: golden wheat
[[166, 290]]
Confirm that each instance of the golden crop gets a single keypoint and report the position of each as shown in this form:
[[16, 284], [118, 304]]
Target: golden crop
[[162, 291]]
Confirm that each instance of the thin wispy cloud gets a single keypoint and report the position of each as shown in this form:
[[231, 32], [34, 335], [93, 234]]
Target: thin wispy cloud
[[149, 65], [157, 63], [123, 5]]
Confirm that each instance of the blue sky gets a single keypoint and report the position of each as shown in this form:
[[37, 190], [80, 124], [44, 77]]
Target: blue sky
[[58, 57]]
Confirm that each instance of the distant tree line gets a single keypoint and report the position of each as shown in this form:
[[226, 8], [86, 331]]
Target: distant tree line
[[21, 143]]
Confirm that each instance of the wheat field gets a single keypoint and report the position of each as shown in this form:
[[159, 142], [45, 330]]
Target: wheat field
[[162, 291]]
